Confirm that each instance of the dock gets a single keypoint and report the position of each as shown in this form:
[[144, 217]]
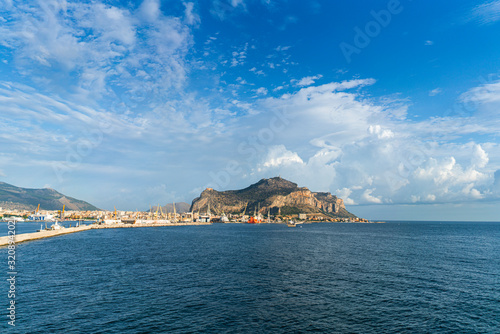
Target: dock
[[23, 237], [4, 241]]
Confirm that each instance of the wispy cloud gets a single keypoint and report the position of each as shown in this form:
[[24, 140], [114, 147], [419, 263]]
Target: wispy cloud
[[487, 12], [435, 91]]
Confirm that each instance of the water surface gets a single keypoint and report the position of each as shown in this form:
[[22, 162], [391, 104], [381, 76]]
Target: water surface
[[406, 277]]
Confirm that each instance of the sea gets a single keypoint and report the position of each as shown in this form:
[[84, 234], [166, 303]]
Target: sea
[[395, 277]]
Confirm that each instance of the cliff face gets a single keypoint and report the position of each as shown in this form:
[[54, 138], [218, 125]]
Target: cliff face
[[304, 197], [274, 195]]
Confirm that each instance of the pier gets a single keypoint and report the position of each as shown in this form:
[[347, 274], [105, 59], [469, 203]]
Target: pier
[[4, 241]]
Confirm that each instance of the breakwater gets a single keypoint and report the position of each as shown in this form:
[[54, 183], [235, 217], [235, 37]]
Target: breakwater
[[4, 241]]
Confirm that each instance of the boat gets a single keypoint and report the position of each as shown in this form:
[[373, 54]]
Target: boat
[[41, 217], [13, 219], [291, 223], [38, 216], [253, 220], [56, 226], [111, 221], [203, 219], [152, 221]]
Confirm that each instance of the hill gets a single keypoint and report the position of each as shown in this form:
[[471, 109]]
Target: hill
[[275, 195], [12, 197]]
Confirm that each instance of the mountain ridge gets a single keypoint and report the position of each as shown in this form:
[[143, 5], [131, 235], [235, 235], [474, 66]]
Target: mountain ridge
[[13, 197]]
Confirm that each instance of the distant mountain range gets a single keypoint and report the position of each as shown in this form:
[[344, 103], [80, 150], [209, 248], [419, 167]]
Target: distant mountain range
[[180, 207], [275, 195], [12, 197]]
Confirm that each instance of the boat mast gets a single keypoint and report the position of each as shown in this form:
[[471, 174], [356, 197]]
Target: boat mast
[[175, 214]]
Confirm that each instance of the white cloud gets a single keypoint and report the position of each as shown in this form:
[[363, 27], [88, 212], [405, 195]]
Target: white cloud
[[306, 81], [239, 56], [367, 196], [486, 93], [237, 3], [261, 91], [95, 48], [150, 10], [279, 155], [224, 8], [435, 92], [344, 193], [428, 43], [479, 157], [483, 101], [189, 15], [282, 48], [258, 72], [379, 132], [357, 146]]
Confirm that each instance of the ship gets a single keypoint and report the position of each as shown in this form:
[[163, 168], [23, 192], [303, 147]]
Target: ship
[[38, 216], [253, 220]]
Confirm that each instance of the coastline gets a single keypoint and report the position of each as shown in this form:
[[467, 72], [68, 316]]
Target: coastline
[[24, 237]]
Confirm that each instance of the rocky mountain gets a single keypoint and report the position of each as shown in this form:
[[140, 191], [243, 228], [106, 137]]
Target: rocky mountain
[[12, 197], [276, 195], [180, 207]]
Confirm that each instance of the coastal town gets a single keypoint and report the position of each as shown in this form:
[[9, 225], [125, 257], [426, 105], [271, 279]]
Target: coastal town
[[269, 201], [158, 216]]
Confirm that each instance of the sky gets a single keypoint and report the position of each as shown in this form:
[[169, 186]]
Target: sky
[[391, 105]]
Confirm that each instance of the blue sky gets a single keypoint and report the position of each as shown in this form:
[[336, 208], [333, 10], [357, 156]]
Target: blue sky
[[392, 105]]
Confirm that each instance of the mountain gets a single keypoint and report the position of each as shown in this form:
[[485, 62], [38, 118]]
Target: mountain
[[180, 207], [12, 197], [276, 195]]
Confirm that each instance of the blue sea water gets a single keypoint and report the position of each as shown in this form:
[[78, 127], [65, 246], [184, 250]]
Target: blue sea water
[[398, 277]]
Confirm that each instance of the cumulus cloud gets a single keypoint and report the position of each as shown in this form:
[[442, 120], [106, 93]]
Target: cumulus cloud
[[479, 157], [367, 196], [306, 81], [337, 140], [261, 91], [279, 155], [379, 132]]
